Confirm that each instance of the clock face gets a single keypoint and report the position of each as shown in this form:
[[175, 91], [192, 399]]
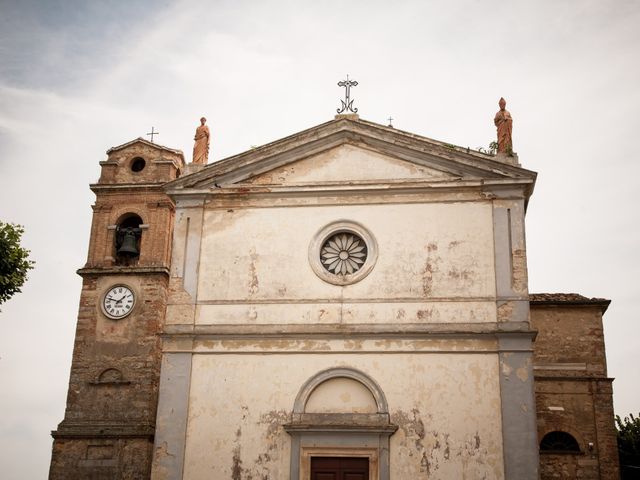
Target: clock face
[[118, 302]]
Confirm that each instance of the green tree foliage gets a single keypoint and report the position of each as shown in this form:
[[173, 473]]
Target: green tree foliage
[[629, 446], [14, 261]]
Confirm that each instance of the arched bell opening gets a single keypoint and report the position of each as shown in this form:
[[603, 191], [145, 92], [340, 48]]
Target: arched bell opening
[[128, 236]]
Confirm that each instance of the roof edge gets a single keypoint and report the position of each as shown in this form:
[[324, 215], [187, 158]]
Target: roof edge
[[341, 126], [568, 299], [147, 143]]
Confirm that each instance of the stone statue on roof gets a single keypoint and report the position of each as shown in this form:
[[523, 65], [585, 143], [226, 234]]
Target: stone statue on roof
[[201, 147], [504, 123]]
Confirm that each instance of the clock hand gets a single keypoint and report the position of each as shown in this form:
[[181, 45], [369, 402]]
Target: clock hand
[[123, 297]]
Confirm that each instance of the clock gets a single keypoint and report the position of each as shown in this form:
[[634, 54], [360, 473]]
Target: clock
[[118, 302]]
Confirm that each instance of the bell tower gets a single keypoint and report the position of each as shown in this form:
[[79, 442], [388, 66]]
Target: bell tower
[[108, 428]]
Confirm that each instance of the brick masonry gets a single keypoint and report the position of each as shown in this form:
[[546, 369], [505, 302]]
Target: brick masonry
[[573, 392], [109, 422]]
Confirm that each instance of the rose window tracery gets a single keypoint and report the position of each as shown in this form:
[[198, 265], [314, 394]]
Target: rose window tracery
[[343, 253]]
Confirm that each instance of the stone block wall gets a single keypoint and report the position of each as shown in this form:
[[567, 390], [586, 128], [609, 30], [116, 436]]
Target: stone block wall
[[573, 392], [113, 386], [109, 424]]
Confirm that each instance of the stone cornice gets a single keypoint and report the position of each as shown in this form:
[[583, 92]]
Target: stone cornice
[[456, 161], [498, 188], [96, 430], [122, 271], [342, 330], [127, 187], [569, 378]]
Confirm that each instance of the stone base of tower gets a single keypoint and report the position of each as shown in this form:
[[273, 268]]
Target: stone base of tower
[[101, 458]]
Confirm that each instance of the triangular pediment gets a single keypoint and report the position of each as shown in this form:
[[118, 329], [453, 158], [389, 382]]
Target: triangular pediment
[[351, 151], [347, 163], [145, 143]]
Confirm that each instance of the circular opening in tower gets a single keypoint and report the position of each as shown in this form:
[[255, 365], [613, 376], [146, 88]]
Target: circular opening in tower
[[138, 164]]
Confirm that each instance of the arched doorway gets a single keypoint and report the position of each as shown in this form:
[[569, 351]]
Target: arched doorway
[[340, 426]]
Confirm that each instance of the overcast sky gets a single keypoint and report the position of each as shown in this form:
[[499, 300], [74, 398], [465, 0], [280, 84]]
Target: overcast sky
[[78, 77]]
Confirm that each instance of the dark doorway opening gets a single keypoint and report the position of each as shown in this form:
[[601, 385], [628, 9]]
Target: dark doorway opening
[[339, 468]]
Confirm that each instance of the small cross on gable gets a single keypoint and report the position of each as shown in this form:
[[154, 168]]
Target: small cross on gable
[[152, 133]]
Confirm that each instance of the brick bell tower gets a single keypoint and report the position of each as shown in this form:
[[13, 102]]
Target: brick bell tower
[[109, 423]]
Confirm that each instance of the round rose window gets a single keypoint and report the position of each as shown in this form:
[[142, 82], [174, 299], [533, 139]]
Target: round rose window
[[343, 253]]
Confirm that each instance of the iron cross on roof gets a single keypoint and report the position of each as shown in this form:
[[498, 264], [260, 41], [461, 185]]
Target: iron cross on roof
[[347, 103], [152, 133]]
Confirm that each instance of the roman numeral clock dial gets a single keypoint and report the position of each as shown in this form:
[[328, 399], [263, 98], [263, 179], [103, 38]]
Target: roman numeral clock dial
[[118, 302]]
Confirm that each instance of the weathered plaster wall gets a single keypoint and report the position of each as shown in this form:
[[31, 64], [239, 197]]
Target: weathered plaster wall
[[333, 311], [436, 253], [347, 162], [341, 395], [447, 408], [246, 302]]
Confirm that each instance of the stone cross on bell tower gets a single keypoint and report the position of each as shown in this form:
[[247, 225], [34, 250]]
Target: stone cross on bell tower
[[152, 133]]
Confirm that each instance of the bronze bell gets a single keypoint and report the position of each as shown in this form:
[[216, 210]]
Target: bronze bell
[[128, 247]]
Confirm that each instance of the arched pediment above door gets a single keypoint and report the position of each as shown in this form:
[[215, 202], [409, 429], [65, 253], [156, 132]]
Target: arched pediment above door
[[331, 375]]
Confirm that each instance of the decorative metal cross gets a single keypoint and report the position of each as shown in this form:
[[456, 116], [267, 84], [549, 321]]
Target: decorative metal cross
[[152, 133], [390, 120], [347, 103]]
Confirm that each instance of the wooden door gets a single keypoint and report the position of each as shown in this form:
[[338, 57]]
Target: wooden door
[[339, 468]]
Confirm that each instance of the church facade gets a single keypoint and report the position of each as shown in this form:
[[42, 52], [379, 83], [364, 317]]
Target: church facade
[[349, 302]]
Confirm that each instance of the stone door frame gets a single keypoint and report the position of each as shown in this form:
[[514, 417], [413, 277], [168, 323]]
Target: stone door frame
[[308, 452]]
